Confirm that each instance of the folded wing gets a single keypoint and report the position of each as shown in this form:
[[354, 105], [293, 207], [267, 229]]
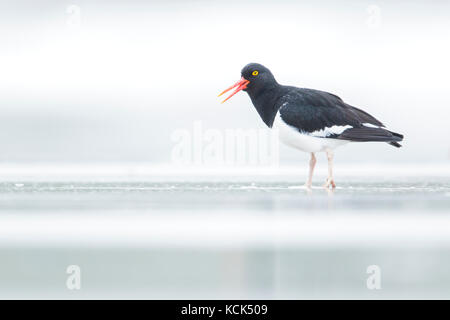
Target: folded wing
[[325, 115]]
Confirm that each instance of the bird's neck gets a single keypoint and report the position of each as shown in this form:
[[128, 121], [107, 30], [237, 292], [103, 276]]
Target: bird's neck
[[264, 101]]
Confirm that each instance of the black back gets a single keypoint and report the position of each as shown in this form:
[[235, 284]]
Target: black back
[[306, 109], [311, 110]]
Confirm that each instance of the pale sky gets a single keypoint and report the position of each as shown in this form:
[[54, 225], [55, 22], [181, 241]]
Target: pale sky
[[111, 81]]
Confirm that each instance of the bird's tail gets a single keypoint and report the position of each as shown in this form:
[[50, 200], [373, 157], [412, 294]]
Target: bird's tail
[[372, 134], [395, 143]]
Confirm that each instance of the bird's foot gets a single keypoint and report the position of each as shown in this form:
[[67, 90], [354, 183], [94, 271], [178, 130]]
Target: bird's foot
[[308, 184], [329, 183]]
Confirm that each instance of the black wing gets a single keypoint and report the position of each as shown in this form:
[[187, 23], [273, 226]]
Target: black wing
[[311, 111]]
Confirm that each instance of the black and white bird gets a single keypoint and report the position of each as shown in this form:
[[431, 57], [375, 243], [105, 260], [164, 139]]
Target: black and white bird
[[307, 119]]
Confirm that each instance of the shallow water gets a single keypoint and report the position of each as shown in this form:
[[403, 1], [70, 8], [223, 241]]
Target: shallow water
[[425, 193], [224, 237]]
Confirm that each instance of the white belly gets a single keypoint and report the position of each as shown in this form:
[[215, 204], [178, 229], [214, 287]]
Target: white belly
[[302, 141]]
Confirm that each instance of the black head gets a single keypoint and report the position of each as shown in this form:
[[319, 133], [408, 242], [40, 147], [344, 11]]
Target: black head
[[263, 89], [259, 76], [254, 79]]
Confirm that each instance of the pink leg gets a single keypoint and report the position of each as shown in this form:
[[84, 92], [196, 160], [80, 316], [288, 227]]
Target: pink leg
[[330, 180], [312, 164]]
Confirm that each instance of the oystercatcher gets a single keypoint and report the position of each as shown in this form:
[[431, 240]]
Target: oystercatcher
[[307, 119]]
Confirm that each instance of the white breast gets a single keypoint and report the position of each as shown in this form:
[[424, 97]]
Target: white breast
[[308, 142]]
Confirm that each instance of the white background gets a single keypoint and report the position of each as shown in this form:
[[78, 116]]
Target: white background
[[113, 83]]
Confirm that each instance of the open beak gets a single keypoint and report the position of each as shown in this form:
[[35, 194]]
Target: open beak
[[241, 84]]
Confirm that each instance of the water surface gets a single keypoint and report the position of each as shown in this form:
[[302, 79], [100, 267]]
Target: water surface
[[224, 236]]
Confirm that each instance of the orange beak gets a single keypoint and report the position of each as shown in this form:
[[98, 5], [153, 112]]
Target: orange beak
[[241, 84]]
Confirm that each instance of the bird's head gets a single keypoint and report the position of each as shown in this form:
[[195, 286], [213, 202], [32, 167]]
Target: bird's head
[[254, 77]]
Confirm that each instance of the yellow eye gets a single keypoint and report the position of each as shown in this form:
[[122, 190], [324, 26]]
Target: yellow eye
[[255, 73]]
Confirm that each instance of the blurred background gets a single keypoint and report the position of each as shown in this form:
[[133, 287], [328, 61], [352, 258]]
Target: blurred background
[[110, 81], [100, 97]]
